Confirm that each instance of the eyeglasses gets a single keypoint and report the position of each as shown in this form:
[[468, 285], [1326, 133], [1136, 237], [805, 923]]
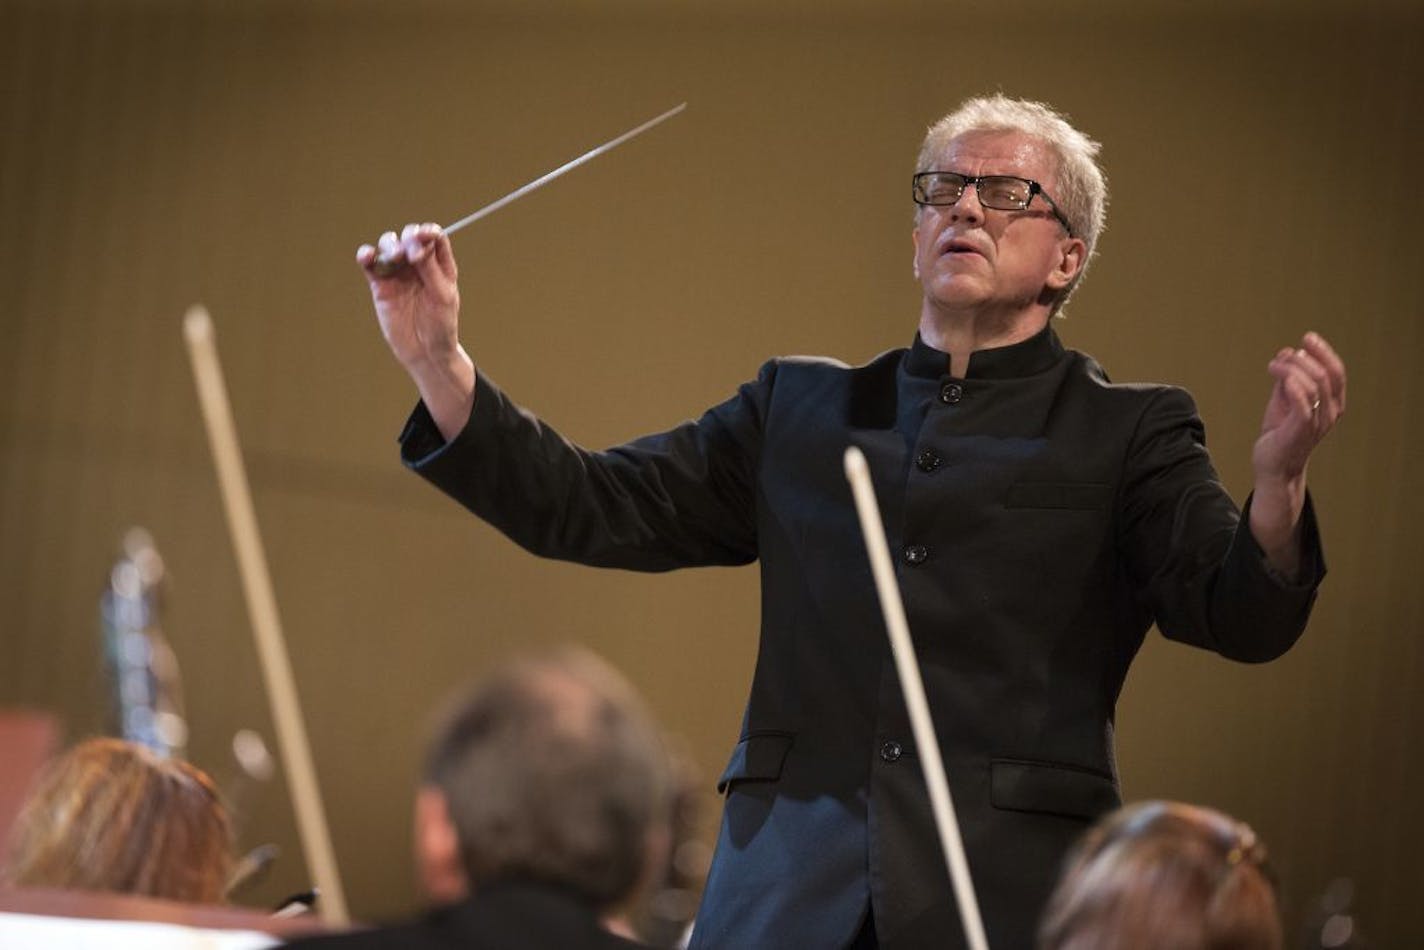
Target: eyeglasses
[[1000, 192]]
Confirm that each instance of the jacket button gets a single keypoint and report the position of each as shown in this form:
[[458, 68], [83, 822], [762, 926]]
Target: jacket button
[[927, 461], [891, 751], [951, 393], [916, 554]]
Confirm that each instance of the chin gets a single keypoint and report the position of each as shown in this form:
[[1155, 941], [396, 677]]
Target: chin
[[955, 298]]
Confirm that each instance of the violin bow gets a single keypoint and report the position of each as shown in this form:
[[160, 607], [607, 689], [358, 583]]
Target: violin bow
[[262, 609], [893, 609]]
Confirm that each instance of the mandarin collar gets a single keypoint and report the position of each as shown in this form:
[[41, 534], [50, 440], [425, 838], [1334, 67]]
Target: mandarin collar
[[1025, 358]]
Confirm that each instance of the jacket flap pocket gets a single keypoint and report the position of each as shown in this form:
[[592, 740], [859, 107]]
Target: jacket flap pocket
[[758, 756], [1083, 495], [1053, 789]]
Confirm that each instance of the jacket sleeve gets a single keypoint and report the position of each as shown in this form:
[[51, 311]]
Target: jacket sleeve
[[1191, 553], [681, 498]]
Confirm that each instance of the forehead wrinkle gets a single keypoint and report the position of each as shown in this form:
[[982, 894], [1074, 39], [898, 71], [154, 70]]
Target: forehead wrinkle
[[1000, 153]]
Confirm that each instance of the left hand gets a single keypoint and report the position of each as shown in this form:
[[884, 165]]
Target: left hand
[[1306, 402]]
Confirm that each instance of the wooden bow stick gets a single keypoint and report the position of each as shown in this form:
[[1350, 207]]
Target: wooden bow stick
[[913, 687], [262, 608]]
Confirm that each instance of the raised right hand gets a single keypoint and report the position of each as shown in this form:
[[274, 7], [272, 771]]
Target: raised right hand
[[417, 298], [416, 295]]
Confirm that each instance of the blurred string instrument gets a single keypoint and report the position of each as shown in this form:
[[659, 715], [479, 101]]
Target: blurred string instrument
[[146, 690]]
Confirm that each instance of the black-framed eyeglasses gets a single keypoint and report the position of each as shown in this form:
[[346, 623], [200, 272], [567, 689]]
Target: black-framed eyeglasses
[[1000, 192]]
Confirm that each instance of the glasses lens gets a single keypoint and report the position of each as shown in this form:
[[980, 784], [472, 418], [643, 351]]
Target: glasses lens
[[938, 188], [1005, 193]]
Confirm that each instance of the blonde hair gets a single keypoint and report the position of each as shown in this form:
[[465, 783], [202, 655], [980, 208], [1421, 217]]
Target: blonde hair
[[1082, 189], [111, 815], [1168, 876]]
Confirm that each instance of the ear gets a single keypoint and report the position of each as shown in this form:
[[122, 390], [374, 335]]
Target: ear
[[437, 848], [915, 242], [1073, 254]]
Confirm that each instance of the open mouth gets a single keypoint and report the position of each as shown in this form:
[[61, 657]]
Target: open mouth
[[960, 247]]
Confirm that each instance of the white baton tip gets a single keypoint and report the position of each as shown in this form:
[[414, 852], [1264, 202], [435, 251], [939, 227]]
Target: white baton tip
[[197, 325], [854, 463]]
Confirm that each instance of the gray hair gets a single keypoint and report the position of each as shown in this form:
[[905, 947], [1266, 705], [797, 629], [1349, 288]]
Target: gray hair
[[553, 771], [1082, 190]]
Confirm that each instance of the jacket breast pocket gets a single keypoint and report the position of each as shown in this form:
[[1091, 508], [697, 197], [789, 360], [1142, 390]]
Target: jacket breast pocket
[[1072, 791], [1082, 496], [757, 758]]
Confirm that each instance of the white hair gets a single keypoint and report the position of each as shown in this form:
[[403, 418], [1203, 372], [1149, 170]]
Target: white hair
[[1082, 189]]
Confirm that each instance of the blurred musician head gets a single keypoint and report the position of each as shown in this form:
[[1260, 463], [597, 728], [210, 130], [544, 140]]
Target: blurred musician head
[[111, 815], [551, 772], [1164, 875]]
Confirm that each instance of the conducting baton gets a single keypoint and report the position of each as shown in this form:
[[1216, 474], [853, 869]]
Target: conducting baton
[[385, 266]]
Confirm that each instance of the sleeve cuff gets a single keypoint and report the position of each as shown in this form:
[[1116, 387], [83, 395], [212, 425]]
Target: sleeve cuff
[[1312, 555], [421, 441]]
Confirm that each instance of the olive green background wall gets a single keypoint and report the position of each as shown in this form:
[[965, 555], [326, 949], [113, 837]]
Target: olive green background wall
[[1263, 158]]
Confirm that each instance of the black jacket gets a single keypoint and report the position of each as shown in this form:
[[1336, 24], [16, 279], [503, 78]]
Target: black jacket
[[1043, 517], [504, 916]]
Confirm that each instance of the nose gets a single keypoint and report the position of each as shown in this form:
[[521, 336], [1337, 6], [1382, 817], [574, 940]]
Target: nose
[[967, 208]]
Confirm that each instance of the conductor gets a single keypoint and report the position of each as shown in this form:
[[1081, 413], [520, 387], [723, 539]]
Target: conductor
[[1044, 519]]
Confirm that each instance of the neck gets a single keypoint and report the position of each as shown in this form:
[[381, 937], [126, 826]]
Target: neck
[[960, 333]]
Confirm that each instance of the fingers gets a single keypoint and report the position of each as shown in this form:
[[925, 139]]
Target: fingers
[[445, 255], [1306, 402], [423, 246], [1292, 384], [1300, 365], [386, 259], [427, 248], [417, 241], [411, 243], [1301, 392], [1312, 381], [378, 261], [1324, 354]]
